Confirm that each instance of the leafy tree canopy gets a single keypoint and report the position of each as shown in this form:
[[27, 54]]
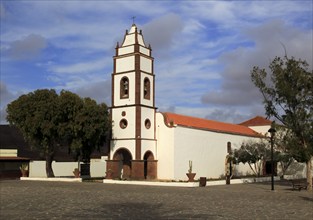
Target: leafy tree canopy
[[49, 121], [253, 153], [288, 97]]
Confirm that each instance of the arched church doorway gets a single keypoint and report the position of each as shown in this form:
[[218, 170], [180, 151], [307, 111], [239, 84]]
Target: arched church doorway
[[149, 166], [124, 166]]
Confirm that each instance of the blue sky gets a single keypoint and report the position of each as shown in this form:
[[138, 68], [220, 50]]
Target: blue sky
[[204, 50]]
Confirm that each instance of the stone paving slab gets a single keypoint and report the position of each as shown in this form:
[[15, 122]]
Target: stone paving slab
[[95, 200]]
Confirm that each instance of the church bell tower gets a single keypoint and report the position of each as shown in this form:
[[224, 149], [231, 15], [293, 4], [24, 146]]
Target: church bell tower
[[133, 143]]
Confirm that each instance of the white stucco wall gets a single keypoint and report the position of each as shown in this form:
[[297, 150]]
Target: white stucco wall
[[261, 129], [128, 144], [129, 131], [207, 150], [8, 152], [144, 50], [140, 40], [125, 64], [125, 50], [148, 145], [129, 39], [131, 49], [146, 64], [165, 149], [65, 169], [147, 113], [98, 167]]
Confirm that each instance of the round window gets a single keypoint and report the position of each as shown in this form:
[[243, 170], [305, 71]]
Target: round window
[[147, 123], [123, 113], [123, 123]]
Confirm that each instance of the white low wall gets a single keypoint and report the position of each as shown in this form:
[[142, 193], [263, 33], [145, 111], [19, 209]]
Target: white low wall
[[98, 167], [38, 168]]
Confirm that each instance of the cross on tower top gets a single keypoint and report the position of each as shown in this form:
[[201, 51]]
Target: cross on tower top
[[133, 19]]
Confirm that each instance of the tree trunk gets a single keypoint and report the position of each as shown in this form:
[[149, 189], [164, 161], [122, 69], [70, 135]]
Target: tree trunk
[[49, 159], [309, 174], [252, 169]]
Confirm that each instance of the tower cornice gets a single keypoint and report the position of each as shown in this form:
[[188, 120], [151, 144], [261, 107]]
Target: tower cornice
[[132, 54]]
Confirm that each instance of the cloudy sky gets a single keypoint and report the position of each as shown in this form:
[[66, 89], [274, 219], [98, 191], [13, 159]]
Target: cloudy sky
[[204, 50]]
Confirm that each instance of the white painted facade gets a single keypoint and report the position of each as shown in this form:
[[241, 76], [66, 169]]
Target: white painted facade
[[261, 129], [124, 64], [165, 149], [129, 131], [206, 149], [8, 152]]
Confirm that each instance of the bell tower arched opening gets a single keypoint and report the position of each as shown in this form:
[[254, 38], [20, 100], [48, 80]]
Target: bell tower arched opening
[[123, 158]]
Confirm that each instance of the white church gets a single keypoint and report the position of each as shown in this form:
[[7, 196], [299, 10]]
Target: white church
[[147, 144]]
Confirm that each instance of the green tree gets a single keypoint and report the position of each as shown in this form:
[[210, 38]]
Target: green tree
[[85, 126], [36, 116], [283, 144], [94, 128], [254, 153], [48, 121], [287, 93]]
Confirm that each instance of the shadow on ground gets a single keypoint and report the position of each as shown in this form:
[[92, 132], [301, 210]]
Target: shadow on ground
[[132, 210], [306, 198]]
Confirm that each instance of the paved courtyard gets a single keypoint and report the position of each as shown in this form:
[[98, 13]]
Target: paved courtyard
[[95, 200]]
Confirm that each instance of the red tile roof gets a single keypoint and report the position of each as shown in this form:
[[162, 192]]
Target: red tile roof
[[200, 123], [256, 121]]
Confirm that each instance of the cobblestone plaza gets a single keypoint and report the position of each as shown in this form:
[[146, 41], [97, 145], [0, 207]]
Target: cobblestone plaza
[[95, 200]]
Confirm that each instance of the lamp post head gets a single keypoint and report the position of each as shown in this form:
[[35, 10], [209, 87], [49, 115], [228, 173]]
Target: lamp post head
[[272, 129]]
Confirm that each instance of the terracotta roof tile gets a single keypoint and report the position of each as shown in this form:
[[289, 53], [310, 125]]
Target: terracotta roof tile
[[256, 121], [200, 123]]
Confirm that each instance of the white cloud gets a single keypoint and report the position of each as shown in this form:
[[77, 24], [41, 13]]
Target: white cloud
[[28, 48], [6, 96], [192, 26], [99, 91], [161, 32], [237, 88], [229, 15], [231, 115], [80, 68]]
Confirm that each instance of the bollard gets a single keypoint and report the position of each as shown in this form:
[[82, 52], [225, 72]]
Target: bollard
[[202, 181]]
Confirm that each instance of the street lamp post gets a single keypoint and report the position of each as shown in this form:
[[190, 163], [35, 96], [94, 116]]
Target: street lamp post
[[272, 132]]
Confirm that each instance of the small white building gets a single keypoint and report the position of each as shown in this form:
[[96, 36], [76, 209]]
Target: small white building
[[154, 145]]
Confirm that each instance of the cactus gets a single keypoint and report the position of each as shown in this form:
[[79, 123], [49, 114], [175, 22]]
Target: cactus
[[24, 166], [190, 166]]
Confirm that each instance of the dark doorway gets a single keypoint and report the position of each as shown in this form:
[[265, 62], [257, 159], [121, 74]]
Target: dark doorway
[[149, 166], [268, 168]]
